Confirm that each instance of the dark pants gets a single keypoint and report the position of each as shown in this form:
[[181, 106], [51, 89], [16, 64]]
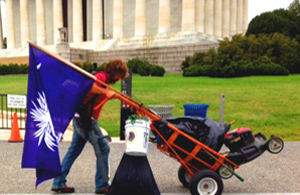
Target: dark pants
[[80, 137]]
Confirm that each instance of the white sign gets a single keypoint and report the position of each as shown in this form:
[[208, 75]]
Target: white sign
[[16, 101]]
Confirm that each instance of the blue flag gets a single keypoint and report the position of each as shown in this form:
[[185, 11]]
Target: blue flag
[[55, 91]]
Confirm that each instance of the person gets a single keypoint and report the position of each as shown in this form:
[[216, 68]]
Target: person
[[85, 122]]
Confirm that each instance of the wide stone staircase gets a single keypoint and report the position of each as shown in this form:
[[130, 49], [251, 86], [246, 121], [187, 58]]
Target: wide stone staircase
[[88, 45], [97, 46], [174, 39]]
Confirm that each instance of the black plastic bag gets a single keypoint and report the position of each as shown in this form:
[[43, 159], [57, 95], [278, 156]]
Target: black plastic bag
[[206, 131]]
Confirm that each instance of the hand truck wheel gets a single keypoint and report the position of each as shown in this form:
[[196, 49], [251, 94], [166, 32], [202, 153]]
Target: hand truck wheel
[[275, 145], [184, 177], [206, 182]]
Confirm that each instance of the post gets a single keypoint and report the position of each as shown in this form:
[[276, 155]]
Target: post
[[95, 66], [221, 115], [126, 88]]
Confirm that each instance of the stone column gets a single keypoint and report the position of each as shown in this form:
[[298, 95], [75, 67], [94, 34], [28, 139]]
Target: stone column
[[240, 16], [218, 19], [77, 21], [40, 23], [57, 20], [226, 18], [209, 17], [200, 14], [164, 17], [97, 27], [118, 18], [89, 19], [10, 29], [24, 21], [140, 17], [245, 15], [188, 16], [233, 17], [1, 35]]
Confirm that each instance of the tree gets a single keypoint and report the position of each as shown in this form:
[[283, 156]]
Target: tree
[[279, 21], [295, 7]]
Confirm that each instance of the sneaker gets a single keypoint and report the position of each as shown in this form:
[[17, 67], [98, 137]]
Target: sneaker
[[64, 190], [103, 191]]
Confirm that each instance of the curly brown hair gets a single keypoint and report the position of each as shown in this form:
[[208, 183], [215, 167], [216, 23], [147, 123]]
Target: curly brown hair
[[117, 67]]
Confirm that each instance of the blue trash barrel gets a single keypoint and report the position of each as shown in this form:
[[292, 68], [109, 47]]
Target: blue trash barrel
[[197, 110]]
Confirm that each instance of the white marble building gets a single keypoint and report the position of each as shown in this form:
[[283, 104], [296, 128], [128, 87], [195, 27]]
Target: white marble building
[[94, 20], [161, 31]]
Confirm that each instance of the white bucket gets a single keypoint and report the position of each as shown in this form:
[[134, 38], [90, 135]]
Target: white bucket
[[137, 137]]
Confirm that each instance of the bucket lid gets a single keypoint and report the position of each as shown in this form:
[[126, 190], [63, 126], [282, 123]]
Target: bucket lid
[[134, 119], [136, 122]]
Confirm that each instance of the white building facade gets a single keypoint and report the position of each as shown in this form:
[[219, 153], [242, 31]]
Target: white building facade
[[95, 20]]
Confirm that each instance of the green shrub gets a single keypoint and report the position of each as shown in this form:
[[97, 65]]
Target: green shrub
[[77, 63], [263, 66], [267, 69], [185, 63], [134, 64], [192, 71], [3, 69], [142, 67], [13, 69], [197, 71], [144, 70], [157, 70], [88, 66], [265, 54], [23, 69], [101, 67], [197, 58], [209, 57]]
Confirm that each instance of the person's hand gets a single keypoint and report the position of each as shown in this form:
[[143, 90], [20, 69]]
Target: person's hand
[[110, 94]]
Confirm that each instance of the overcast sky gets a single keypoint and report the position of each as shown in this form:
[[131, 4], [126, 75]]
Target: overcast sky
[[256, 7]]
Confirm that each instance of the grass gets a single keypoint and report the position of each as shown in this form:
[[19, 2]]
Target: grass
[[266, 104]]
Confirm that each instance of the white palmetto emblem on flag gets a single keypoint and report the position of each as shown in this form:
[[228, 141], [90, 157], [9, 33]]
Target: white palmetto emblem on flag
[[41, 116]]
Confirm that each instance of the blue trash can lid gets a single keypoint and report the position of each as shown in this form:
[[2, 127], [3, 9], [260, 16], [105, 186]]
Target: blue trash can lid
[[195, 106]]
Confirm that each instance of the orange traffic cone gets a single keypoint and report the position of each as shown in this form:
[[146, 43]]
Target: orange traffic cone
[[15, 133]]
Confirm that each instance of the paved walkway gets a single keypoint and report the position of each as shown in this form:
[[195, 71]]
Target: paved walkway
[[5, 135], [266, 175], [185, 194]]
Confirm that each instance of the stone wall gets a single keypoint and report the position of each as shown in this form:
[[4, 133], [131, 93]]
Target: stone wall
[[79, 55], [170, 57], [15, 60]]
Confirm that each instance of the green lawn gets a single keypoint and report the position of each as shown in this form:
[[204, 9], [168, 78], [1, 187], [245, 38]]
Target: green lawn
[[267, 104]]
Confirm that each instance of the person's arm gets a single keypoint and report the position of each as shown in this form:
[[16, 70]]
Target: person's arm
[[99, 90]]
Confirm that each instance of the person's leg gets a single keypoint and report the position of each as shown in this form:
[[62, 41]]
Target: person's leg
[[74, 151], [105, 149]]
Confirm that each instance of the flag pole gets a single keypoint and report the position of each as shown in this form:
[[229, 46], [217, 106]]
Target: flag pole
[[63, 61]]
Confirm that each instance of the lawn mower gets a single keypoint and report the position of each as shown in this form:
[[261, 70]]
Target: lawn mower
[[209, 167]]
